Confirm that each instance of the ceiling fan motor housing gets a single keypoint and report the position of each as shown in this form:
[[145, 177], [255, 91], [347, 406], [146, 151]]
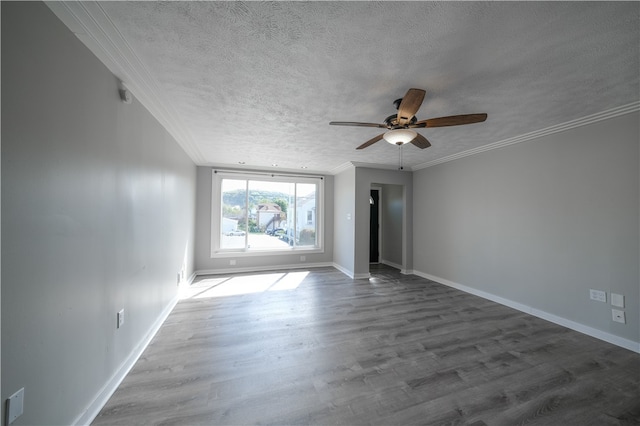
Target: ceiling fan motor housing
[[392, 121]]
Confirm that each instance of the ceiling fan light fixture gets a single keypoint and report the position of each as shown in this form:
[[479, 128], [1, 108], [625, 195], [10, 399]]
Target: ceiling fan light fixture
[[399, 136]]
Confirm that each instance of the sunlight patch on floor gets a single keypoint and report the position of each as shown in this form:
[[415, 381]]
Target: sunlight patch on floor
[[244, 284], [290, 281]]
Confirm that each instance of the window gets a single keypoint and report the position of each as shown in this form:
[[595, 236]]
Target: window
[[264, 213]]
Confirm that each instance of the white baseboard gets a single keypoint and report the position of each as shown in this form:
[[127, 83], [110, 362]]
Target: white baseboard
[[584, 329], [364, 276], [262, 268], [395, 265], [92, 411], [392, 264], [351, 274], [343, 270], [190, 279]]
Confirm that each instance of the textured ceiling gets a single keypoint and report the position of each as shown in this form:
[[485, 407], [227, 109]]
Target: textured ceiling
[[258, 82]]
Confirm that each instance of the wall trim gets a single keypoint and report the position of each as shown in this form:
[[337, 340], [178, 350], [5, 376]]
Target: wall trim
[[102, 397], [364, 276], [343, 270], [584, 329], [583, 121], [354, 164], [397, 266], [261, 268], [90, 23], [351, 274], [341, 168], [189, 280]]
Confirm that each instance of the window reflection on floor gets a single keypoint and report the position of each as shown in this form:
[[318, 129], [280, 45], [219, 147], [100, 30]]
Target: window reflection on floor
[[224, 285]]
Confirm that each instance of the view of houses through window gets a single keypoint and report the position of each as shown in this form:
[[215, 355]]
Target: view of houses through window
[[268, 214]]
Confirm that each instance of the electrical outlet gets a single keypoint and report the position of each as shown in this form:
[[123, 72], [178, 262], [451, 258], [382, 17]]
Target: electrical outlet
[[179, 277], [598, 295], [617, 300], [303, 258], [618, 316], [232, 262], [15, 406], [120, 318]]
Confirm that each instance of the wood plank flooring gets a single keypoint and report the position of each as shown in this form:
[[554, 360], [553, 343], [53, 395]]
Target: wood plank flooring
[[392, 350]]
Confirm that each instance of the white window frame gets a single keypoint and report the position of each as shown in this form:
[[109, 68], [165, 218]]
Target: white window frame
[[216, 213]]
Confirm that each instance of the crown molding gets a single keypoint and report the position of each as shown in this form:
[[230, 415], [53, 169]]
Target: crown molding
[[89, 22], [378, 166], [584, 121], [354, 164], [341, 168]]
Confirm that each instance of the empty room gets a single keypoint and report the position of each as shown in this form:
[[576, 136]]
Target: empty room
[[356, 213]]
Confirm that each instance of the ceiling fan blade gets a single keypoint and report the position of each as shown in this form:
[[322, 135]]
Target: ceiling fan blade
[[410, 105], [354, 123], [453, 120], [421, 142], [370, 142]]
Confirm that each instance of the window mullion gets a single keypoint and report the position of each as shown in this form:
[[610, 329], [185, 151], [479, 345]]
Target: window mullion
[[246, 214], [295, 213]]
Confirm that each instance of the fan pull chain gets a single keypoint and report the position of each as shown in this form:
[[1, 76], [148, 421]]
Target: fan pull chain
[[400, 157]]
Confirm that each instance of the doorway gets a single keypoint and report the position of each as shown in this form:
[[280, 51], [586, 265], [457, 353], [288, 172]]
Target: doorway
[[387, 225], [374, 226]]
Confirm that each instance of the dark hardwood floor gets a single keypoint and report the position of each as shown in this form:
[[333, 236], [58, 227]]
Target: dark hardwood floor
[[392, 350]]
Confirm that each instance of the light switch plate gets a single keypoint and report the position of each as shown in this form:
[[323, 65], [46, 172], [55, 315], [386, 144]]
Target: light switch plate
[[120, 318], [15, 406], [597, 295], [617, 300]]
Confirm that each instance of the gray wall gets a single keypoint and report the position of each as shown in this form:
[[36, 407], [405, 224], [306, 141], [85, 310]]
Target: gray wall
[[98, 213], [540, 222], [364, 179], [344, 220], [391, 224], [205, 263]]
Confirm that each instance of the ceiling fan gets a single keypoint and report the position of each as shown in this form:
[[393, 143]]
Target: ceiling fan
[[400, 125]]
